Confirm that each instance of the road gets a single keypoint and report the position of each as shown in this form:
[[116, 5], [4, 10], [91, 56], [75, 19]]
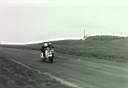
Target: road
[[80, 71]]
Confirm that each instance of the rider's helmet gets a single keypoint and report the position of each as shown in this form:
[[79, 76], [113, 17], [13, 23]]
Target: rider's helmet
[[45, 44], [49, 43]]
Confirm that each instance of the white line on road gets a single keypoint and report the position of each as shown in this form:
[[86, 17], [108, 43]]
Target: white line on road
[[62, 81]]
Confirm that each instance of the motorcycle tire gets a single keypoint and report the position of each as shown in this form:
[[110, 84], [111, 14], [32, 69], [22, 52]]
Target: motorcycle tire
[[50, 59], [43, 59]]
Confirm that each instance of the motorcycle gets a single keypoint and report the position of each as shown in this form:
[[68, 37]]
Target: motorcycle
[[49, 55]]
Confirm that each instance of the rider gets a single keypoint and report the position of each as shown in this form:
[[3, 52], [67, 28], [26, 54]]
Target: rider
[[50, 45], [45, 46]]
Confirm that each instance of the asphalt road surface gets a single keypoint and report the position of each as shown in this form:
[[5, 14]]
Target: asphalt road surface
[[80, 71]]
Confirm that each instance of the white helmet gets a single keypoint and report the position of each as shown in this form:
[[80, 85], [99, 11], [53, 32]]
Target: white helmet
[[50, 43], [45, 44]]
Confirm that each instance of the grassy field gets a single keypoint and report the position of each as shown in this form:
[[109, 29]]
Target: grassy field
[[111, 72], [114, 49], [111, 48]]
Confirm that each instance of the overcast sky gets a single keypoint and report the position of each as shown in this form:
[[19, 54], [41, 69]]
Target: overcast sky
[[34, 20]]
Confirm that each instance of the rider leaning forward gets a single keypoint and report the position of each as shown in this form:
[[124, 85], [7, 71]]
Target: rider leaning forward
[[45, 46]]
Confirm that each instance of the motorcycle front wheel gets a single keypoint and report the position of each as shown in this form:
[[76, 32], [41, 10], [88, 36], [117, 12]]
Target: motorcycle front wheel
[[51, 59]]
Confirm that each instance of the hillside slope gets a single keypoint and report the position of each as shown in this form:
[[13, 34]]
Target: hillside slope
[[93, 63], [78, 71], [111, 48]]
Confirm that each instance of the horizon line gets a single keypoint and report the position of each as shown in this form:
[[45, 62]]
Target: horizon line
[[64, 38], [40, 41]]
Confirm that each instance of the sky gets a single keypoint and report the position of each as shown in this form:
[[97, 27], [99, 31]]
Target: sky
[[35, 20]]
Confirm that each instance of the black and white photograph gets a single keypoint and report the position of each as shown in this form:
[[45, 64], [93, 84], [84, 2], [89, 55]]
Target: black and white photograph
[[63, 44]]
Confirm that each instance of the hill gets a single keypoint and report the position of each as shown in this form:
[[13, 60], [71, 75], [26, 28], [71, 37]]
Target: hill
[[111, 48], [97, 62], [101, 47]]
